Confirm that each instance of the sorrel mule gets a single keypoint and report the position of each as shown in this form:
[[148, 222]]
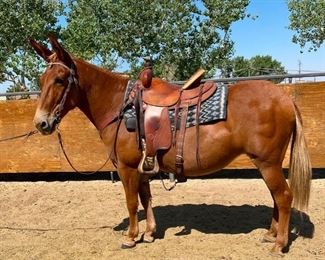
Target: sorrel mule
[[261, 120]]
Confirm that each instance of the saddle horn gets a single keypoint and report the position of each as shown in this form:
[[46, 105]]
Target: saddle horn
[[147, 73]]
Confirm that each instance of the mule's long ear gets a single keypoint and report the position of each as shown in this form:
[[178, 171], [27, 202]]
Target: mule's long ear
[[40, 49], [61, 53]]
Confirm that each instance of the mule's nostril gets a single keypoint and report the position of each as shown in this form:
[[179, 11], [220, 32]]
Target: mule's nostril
[[44, 125]]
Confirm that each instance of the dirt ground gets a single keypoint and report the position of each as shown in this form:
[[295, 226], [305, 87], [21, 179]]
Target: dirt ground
[[200, 219]]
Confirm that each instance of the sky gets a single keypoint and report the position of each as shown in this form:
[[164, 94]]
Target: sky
[[269, 35]]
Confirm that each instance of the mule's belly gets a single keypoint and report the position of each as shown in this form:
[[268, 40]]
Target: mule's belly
[[216, 150]]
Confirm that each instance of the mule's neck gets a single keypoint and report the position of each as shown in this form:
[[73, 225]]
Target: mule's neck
[[101, 93]]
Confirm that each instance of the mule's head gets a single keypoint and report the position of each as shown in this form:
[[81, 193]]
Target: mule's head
[[59, 86]]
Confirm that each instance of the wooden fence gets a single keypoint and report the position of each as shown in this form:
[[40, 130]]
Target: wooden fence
[[84, 147]]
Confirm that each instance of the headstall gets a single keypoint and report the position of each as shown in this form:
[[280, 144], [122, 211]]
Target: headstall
[[72, 79]]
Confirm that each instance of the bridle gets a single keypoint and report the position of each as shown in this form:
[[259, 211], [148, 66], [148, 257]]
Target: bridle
[[58, 111], [71, 79]]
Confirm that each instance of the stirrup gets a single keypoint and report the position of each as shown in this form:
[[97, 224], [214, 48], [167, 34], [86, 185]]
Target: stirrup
[[148, 165]]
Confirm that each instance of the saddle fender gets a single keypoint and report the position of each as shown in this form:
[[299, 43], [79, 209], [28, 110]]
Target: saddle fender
[[157, 128]]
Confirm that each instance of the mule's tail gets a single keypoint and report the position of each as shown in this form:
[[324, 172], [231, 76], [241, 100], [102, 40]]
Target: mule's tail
[[300, 166]]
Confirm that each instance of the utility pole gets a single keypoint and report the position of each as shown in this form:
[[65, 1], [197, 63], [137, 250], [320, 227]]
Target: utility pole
[[299, 69], [299, 66]]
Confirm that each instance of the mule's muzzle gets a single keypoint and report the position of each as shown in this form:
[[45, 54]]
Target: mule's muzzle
[[45, 126]]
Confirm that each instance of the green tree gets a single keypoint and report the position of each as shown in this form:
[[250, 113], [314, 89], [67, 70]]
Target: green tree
[[21, 20], [17, 88], [241, 67], [307, 20], [180, 36], [256, 66], [266, 65]]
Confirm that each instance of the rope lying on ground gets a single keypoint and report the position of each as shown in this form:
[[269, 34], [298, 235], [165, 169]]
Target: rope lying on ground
[[53, 229]]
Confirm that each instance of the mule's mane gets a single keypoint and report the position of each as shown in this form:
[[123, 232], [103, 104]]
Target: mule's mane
[[111, 74]]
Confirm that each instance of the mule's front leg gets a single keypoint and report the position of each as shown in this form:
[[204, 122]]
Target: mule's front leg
[[130, 179], [145, 196]]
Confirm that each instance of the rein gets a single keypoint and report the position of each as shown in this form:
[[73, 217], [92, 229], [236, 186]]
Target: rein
[[164, 185], [69, 161]]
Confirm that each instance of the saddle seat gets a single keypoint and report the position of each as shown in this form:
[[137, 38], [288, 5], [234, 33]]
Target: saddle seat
[[161, 93], [164, 94]]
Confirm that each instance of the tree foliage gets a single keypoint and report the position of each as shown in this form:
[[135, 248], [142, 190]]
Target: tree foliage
[[256, 66], [24, 19], [180, 36], [307, 20]]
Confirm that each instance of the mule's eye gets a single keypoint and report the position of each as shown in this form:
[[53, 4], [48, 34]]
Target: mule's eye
[[59, 81]]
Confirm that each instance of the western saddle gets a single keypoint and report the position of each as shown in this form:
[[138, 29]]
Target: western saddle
[[153, 98]]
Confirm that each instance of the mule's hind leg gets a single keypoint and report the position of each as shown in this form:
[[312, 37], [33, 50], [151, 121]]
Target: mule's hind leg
[[270, 235], [145, 197], [282, 197]]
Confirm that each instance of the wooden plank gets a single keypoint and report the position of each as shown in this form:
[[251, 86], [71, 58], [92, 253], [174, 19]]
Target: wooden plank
[[42, 153], [87, 152], [311, 101]]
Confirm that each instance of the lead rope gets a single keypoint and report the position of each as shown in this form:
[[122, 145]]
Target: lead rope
[[69, 161], [27, 135]]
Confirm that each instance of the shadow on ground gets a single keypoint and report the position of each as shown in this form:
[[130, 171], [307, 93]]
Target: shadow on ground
[[318, 173], [215, 219]]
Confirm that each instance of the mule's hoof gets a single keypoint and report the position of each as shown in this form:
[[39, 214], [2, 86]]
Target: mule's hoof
[[276, 251], [148, 239], [267, 238], [128, 245]]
